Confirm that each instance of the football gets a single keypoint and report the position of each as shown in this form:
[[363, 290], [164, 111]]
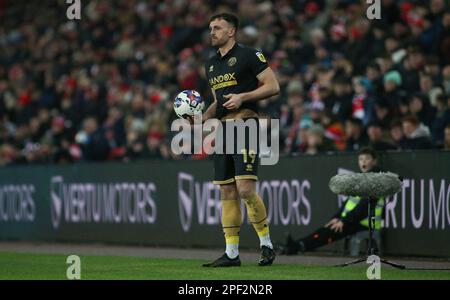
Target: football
[[188, 103]]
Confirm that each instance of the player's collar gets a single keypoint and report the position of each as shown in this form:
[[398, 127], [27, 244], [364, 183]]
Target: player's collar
[[219, 56]]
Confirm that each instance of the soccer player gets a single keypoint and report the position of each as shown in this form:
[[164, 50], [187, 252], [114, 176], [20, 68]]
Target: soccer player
[[239, 77]]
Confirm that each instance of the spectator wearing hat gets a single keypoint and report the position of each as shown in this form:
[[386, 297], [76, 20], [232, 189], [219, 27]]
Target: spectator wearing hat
[[417, 135], [392, 90], [334, 130]]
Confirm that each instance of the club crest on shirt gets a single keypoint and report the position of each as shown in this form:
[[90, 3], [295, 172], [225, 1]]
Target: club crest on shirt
[[261, 57], [211, 68], [232, 61]]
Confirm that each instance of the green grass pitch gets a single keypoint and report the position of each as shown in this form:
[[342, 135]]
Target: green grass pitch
[[53, 266]]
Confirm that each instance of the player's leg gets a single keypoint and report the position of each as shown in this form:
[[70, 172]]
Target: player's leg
[[257, 215], [246, 169], [231, 218], [256, 209], [231, 211]]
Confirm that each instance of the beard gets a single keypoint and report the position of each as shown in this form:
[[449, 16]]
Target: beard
[[217, 43]]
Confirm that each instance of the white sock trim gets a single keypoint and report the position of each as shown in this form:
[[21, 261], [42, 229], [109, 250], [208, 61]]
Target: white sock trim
[[265, 241], [232, 250]]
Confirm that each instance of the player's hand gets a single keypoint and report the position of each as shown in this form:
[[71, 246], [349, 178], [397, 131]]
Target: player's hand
[[190, 119], [338, 226], [332, 222], [234, 101]]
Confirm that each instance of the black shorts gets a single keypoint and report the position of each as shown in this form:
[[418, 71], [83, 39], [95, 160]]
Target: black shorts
[[242, 164]]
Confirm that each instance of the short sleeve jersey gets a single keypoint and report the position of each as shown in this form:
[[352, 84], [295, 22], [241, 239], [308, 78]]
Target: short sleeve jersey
[[234, 73]]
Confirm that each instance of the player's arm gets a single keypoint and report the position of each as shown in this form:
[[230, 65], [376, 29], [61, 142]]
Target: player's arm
[[211, 111], [269, 87]]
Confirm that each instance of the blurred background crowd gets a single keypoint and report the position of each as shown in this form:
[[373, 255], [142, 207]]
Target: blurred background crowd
[[102, 88]]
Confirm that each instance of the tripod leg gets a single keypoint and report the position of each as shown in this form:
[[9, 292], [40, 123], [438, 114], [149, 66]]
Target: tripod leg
[[395, 265], [353, 262]]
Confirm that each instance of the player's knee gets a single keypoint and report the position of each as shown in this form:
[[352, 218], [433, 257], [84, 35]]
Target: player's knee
[[228, 192], [247, 194]]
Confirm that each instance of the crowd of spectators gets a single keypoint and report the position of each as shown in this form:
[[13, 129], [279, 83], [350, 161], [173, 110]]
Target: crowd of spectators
[[101, 88]]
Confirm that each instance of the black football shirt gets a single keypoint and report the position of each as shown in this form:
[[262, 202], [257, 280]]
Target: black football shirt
[[234, 73]]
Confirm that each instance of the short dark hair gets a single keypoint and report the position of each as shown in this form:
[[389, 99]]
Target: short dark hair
[[368, 151], [411, 119], [230, 18]]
